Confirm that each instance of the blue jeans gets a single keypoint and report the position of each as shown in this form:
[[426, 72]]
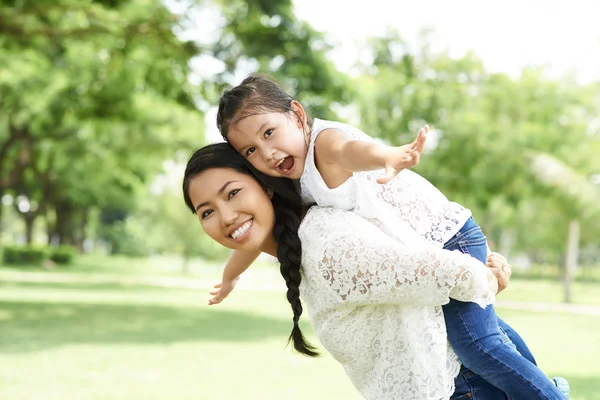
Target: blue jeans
[[496, 360]]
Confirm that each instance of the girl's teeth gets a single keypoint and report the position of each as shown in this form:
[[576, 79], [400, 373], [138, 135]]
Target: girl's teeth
[[241, 230]]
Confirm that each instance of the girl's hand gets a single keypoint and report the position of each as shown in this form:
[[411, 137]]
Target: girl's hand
[[402, 157], [500, 268], [492, 281], [220, 291]]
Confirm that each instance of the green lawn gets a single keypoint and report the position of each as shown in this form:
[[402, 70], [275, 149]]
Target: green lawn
[[82, 341], [550, 291], [268, 274]]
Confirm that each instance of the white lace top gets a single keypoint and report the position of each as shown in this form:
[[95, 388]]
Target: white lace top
[[375, 304], [407, 204]]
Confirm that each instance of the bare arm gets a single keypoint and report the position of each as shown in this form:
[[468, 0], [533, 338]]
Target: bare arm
[[337, 151], [237, 264], [334, 146]]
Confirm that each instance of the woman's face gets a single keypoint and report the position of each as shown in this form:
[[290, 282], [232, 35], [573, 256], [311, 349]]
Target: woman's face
[[233, 208]]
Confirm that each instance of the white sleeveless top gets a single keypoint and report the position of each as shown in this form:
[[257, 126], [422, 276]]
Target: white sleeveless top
[[407, 204], [375, 304]]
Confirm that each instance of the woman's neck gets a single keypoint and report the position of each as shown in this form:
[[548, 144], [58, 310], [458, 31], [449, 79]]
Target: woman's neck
[[270, 246]]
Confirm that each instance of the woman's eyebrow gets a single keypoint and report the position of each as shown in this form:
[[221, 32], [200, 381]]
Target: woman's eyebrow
[[199, 206]]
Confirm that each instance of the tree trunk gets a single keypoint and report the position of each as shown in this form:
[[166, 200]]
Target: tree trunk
[[29, 218], [63, 222], [1, 207], [50, 226], [571, 258], [80, 235]]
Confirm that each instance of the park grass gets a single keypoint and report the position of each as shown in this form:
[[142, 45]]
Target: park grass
[[84, 341], [263, 273], [547, 291], [151, 343]]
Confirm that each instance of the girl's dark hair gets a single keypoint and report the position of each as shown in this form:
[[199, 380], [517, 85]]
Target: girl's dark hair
[[257, 94], [288, 209]]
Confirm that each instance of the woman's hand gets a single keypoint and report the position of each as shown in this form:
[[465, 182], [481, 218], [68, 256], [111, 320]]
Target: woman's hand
[[501, 269]]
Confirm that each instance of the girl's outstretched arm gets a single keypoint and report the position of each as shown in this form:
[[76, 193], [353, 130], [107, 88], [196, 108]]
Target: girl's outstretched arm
[[339, 153]]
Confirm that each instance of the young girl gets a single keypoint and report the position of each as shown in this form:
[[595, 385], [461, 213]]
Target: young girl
[[340, 166]]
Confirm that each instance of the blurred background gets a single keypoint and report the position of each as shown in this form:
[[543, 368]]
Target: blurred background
[[104, 274]]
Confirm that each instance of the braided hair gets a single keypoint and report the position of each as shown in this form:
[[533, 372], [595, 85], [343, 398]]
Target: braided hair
[[288, 210]]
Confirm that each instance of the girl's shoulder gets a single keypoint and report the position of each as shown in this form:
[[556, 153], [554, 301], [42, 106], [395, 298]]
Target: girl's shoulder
[[320, 125]]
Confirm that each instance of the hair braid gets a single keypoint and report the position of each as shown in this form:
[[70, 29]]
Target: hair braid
[[289, 254]]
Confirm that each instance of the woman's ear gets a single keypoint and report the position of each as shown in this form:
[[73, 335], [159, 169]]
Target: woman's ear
[[270, 193]]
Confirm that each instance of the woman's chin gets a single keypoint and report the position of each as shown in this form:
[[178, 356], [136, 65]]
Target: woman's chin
[[251, 243]]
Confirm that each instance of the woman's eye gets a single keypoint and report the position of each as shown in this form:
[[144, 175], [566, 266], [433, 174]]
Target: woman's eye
[[268, 133], [250, 151], [206, 213], [233, 193]]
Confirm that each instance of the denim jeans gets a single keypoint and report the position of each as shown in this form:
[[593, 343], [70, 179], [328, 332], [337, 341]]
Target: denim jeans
[[496, 360]]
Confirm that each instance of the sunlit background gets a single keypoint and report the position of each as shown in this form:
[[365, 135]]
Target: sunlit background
[[103, 272]]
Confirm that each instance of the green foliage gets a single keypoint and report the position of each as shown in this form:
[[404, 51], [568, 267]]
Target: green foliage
[[269, 36], [63, 255], [94, 97], [125, 239], [485, 129], [24, 255]]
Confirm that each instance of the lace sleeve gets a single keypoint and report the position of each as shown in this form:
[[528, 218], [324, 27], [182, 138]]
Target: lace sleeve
[[369, 267]]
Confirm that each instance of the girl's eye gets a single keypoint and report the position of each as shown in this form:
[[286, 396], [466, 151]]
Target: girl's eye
[[250, 151], [233, 193], [268, 133], [206, 213]]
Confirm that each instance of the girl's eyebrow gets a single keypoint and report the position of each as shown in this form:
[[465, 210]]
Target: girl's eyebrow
[[262, 127]]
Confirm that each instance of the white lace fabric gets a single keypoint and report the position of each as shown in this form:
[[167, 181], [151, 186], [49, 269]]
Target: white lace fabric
[[407, 204], [375, 304]]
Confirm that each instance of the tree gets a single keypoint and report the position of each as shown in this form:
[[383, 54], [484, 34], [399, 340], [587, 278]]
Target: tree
[[87, 85], [578, 200], [267, 36]]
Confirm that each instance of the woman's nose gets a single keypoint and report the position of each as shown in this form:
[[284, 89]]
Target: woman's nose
[[229, 216]]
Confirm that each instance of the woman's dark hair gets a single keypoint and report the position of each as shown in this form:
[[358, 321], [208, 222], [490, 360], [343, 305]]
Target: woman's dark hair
[[257, 94], [288, 209]]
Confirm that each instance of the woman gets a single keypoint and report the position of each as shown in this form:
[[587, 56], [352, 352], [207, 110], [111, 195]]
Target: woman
[[374, 305]]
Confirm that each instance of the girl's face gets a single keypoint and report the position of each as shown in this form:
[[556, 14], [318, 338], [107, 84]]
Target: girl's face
[[275, 143], [233, 208]]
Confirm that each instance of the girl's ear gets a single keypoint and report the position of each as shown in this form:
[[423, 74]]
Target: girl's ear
[[300, 115], [270, 193]]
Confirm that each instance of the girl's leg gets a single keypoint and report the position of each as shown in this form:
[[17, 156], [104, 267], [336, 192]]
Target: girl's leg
[[488, 352], [480, 343], [470, 386], [517, 340]]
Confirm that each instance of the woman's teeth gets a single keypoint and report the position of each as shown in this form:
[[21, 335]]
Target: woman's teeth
[[241, 230]]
